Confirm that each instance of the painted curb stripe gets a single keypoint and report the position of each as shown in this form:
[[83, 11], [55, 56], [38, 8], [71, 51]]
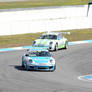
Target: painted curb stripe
[[79, 42], [6, 49], [28, 47], [86, 78]]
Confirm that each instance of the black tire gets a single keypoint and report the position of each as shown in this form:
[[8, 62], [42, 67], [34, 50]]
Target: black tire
[[56, 47], [54, 69], [23, 65], [24, 68], [66, 45]]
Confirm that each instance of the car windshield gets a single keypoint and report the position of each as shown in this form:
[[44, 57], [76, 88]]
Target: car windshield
[[53, 37], [39, 54]]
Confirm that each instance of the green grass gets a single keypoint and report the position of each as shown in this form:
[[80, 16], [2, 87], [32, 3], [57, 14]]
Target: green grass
[[26, 39], [41, 3], [81, 34]]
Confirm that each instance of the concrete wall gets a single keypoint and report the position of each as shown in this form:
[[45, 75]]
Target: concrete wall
[[47, 19]]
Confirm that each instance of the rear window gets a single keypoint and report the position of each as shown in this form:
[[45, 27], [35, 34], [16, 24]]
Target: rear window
[[53, 37]]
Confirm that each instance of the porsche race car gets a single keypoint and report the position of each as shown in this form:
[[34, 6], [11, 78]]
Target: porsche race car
[[54, 40], [38, 58]]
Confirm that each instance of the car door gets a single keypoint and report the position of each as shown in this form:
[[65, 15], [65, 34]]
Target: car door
[[60, 40], [25, 59]]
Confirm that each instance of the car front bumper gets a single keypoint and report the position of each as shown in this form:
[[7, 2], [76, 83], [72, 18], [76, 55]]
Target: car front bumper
[[48, 47], [41, 68]]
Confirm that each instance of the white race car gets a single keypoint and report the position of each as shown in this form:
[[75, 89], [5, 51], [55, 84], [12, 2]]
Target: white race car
[[54, 40]]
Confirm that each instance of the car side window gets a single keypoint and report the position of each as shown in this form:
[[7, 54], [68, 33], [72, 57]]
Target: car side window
[[59, 37]]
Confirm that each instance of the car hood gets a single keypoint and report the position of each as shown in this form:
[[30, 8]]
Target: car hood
[[44, 42], [41, 59]]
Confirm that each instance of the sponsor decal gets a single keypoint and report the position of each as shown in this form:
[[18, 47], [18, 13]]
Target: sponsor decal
[[43, 42], [62, 46]]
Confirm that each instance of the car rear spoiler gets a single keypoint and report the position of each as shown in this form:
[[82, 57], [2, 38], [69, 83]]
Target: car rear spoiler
[[61, 32], [65, 33]]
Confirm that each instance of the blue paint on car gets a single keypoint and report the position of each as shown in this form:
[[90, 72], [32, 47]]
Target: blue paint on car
[[41, 59]]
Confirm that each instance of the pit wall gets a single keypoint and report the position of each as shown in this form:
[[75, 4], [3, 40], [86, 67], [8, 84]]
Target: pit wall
[[46, 19]]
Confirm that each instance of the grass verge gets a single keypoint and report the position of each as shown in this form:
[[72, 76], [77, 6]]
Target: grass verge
[[41, 3], [26, 39]]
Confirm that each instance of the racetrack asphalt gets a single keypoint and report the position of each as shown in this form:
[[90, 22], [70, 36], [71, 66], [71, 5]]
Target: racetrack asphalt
[[71, 63]]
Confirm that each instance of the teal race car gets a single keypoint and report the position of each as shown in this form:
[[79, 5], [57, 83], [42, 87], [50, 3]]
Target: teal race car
[[38, 58], [54, 40]]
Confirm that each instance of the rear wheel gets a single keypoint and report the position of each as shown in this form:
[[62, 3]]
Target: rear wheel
[[56, 47], [66, 45]]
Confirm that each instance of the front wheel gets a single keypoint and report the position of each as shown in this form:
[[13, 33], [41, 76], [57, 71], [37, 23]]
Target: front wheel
[[53, 69], [23, 65], [26, 67], [56, 47]]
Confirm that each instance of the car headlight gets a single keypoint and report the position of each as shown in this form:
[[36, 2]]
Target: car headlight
[[51, 43], [34, 43], [51, 61], [31, 61]]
